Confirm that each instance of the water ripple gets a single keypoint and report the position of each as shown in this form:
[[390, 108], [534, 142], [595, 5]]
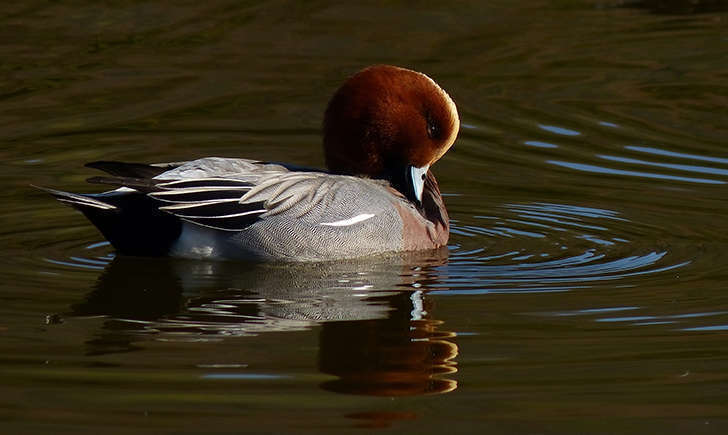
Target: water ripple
[[661, 152], [575, 247], [679, 167], [613, 171], [640, 316]]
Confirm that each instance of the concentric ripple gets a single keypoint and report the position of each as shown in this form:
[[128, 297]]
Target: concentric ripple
[[544, 247]]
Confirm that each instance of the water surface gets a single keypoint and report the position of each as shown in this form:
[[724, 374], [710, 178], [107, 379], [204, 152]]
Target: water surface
[[583, 289]]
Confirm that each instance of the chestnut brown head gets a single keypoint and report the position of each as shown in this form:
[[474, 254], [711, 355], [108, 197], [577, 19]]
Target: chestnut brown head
[[386, 120]]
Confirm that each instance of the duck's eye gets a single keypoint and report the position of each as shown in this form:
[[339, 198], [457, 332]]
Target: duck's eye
[[433, 130]]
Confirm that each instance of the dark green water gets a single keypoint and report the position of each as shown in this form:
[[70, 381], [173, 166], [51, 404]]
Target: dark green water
[[585, 289]]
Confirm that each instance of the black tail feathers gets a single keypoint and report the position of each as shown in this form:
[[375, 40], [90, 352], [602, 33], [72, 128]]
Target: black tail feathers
[[130, 220]]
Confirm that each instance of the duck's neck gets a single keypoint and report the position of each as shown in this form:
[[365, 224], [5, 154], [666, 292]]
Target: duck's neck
[[433, 206], [400, 180]]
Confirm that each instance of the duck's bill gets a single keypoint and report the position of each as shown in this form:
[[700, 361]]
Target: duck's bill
[[416, 179]]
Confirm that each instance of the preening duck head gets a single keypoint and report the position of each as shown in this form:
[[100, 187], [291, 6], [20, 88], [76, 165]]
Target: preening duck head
[[390, 123]]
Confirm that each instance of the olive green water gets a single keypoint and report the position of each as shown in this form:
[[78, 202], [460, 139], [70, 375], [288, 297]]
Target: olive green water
[[585, 288]]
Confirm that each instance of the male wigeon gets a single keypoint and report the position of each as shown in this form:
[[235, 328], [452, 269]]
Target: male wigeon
[[383, 129]]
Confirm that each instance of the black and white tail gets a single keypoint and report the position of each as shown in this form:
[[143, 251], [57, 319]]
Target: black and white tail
[[129, 219]]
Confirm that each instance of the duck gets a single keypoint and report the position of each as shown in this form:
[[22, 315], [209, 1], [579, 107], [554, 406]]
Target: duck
[[383, 130]]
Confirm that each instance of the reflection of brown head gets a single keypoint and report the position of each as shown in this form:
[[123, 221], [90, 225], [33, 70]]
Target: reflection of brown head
[[389, 357], [384, 118]]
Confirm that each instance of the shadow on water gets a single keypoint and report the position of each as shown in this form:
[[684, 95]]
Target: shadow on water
[[377, 336]]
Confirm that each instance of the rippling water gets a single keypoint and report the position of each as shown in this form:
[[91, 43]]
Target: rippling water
[[583, 290]]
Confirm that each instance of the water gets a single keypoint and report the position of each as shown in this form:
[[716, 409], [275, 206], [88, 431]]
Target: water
[[583, 291]]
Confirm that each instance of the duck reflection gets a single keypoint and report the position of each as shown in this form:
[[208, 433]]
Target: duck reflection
[[402, 354], [378, 336]]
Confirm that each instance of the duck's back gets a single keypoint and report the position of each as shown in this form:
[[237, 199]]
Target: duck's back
[[308, 215]]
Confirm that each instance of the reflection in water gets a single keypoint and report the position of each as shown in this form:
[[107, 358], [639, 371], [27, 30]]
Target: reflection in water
[[399, 355], [380, 419], [134, 288], [378, 339]]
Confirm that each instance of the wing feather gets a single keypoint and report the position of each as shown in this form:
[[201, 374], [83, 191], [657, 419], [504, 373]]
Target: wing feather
[[212, 202], [232, 194], [197, 195], [212, 209]]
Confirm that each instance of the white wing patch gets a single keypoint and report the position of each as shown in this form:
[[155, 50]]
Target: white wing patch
[[351, 221]]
